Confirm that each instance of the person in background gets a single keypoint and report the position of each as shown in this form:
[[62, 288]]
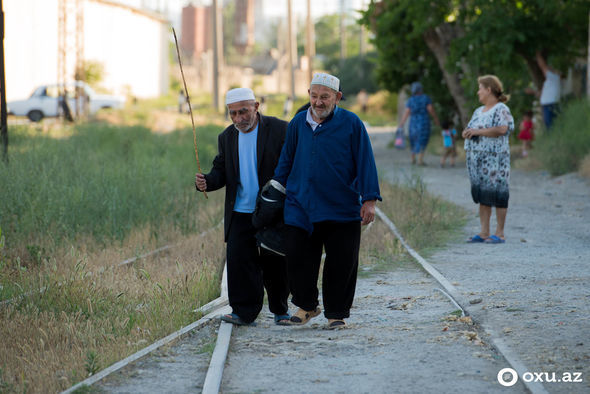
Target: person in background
[[419, 107], [329, 172], [449, 135], [248, 152], [181, 102], [527, 133], [487, 152], [287, 106], [363, 99], [550, 93]]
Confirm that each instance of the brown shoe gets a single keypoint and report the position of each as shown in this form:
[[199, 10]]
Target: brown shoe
[[301, 317]]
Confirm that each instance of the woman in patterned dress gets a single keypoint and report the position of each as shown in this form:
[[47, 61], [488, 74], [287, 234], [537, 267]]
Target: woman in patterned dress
[[488, 157], [419, 106]]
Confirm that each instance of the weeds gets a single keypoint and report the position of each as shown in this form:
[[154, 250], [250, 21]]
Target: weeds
[[118, 310], [73, 204], [207, 348], [92, 366], [5, 387], [426, 221], [101, 181], [563, 149]]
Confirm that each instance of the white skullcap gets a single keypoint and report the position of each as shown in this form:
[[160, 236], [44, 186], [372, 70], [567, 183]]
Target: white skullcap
[[239, 94], [327, 80]]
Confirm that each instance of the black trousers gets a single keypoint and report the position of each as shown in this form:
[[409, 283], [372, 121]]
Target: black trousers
[[249, 272], [304, 253]]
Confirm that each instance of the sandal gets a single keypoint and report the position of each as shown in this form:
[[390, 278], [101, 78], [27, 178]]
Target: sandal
[[301, 317], [494, 239], [476, 239], [335, 324], [282, 320]]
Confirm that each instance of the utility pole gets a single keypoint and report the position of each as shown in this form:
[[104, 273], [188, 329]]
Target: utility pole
[[310, 41], [588, 62], [291, 48], [3, 114], [362, 45], [342, 33], [280, 49], [80, 72], [217, 53], [363, 36]]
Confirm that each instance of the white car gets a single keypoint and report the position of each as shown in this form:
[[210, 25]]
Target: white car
[[44, 102]]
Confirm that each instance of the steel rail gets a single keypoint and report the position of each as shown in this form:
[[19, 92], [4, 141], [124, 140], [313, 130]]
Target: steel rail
[[212, 384], [154, 346], [459, 300]]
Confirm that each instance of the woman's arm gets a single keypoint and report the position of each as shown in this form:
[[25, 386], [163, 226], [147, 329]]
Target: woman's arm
[[404, 117], [492, 132]]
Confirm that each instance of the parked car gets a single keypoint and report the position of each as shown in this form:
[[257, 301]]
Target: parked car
[[45, 100]]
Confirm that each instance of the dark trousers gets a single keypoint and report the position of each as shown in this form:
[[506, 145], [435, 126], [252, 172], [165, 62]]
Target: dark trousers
[[550, 111], [304, 253], [249, 272]]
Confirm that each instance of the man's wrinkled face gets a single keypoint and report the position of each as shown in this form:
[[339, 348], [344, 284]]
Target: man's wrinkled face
[[323, 100], [243, 114]]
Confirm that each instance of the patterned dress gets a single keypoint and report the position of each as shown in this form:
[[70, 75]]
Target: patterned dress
[[419, 122], [488, 158]]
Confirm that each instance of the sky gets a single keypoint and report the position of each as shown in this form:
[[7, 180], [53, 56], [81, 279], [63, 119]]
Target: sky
[[271, 8], [318, 8]]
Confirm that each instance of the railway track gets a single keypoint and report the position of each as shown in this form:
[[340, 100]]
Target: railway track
[[213, 379]]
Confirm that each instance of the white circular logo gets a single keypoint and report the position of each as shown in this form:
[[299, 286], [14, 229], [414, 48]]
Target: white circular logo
[[512, 381]]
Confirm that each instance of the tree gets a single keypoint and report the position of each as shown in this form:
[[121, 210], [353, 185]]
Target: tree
[[327, 35], [447, 44], [356, 71]]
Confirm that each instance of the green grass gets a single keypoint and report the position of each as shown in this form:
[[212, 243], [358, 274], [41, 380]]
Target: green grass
[[73, 201], [101, 181], [563, 148]]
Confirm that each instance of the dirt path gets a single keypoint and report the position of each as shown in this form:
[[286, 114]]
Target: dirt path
[[535, 288], [534, 294]]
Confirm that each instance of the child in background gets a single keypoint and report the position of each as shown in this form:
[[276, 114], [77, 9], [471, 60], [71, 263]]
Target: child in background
[[449, 135], [527, 133]]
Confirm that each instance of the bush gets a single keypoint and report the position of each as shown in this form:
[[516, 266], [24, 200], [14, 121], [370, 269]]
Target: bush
[[563, 148]]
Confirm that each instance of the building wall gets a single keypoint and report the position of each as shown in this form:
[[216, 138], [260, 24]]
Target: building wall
[[131, 44], [196, 37], [244, 25], [30, 45]]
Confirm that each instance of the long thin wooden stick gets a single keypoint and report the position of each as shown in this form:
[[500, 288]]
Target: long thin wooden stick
[[188, 100]]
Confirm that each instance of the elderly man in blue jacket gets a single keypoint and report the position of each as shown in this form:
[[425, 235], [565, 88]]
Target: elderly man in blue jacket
[[329, 172]]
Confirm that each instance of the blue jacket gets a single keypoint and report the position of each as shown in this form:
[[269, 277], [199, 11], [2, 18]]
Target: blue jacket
[[327, 172]]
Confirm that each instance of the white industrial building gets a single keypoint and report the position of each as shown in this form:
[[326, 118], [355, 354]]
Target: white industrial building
[[131, 44]]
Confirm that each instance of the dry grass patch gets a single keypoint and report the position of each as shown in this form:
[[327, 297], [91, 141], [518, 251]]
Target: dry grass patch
[[425, 221], [379, 247], [92, 312]]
